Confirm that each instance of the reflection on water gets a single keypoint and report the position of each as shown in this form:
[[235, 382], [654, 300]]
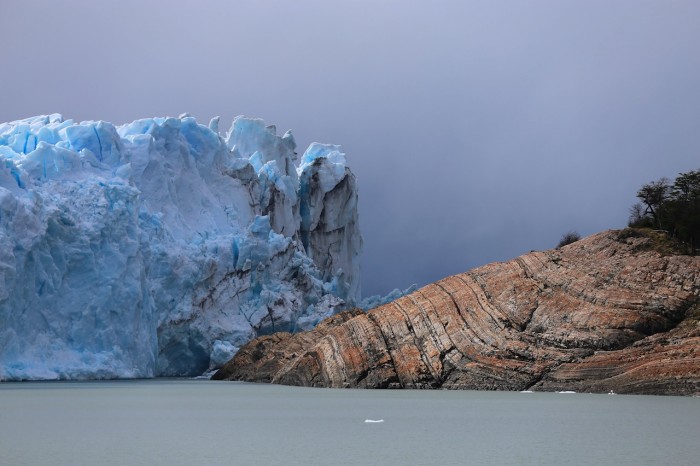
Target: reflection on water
[[183, 422]]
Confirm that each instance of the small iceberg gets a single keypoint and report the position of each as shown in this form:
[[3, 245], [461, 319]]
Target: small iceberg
[[526, 391], [612, 393], [566, 391], [374, 420]]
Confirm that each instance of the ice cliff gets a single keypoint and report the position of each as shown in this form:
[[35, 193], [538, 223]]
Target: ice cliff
[[158, 247]]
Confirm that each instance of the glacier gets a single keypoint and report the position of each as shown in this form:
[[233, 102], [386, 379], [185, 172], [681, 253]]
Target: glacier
[[158, 247]]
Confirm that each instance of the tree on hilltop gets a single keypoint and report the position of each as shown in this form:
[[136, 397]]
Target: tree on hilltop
[[653, 195], [672, 207]]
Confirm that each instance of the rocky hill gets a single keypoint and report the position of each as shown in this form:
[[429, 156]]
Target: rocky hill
[[615, 311]]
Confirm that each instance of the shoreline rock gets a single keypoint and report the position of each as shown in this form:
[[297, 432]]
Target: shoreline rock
[[605, 313]]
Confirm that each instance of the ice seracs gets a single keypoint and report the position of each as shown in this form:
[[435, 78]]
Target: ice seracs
[[159, 247]]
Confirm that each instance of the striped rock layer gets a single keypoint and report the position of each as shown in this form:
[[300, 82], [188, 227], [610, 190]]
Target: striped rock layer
[[605, 313]]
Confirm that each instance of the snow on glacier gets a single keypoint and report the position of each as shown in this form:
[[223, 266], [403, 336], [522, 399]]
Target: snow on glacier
[[157, 248]]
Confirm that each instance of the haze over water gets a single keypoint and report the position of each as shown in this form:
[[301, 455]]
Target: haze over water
[[183, 422]]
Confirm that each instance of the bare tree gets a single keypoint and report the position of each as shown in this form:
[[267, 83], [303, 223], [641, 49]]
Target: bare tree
[[653, 195], [638, 216]]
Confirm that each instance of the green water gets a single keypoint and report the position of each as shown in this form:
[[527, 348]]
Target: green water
[[186, 422]]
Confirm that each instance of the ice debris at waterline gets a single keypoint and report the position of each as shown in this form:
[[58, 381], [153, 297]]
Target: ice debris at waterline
[[158, 247]]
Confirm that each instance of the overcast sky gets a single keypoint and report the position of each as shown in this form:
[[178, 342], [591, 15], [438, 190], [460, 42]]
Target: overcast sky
[[478, 131]]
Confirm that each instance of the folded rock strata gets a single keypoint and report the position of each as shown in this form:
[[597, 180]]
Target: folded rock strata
[[605, 313]]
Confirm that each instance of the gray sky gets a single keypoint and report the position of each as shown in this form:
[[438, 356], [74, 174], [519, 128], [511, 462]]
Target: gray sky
[[478, 130]]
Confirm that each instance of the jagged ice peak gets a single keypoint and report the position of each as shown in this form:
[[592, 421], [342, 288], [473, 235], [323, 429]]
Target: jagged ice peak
[[158, 247]]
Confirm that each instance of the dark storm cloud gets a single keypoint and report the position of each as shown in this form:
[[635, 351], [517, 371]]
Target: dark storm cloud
[[477, 130]]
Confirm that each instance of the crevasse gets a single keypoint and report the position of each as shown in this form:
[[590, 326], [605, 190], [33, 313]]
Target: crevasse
[[158, 247]]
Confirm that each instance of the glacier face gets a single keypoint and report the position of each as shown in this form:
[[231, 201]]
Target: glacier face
[[157, 247]]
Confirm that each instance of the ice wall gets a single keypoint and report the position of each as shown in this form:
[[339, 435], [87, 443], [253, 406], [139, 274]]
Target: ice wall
[[158, 247]]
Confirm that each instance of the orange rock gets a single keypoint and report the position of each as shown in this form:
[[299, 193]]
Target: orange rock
[[604, 313]]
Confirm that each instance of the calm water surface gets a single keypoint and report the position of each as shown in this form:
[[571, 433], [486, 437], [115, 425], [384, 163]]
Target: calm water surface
[[186, 422]]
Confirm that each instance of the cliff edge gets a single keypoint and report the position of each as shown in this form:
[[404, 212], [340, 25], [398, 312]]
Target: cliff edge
[[613, 311]]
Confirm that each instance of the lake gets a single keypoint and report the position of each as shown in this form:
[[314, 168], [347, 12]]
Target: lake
[[185, 422]]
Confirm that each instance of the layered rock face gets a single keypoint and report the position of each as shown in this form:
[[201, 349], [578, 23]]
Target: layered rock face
[[605, 313]]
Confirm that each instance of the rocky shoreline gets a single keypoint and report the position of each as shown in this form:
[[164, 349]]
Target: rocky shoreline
[[614, 311]]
